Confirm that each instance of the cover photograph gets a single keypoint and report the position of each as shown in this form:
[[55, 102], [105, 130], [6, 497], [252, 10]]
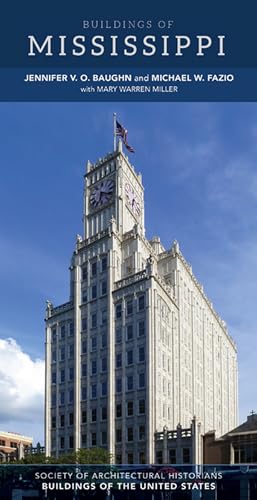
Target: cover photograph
[[128, 252]]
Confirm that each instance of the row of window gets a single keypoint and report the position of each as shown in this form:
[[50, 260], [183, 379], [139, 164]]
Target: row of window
[[130, 382], [100, 319], [93, 292], [131, 459], [102, 413], [97, 390], [130, 357], [129, 306], [130, 435], [94, 268], [172, 456], [69, 328], [63, 352]]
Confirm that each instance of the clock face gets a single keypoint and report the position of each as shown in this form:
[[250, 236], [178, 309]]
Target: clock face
[[132, 199], [102, 193]]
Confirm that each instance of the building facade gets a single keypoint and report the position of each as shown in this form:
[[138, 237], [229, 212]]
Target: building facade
[[13, 446], [138, 347]]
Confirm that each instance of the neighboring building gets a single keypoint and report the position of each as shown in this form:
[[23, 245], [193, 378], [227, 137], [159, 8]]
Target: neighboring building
[[138, 346], [13, 446], [179, 446], [238, 446]]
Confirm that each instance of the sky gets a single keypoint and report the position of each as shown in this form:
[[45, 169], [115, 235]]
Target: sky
[[199, 167]]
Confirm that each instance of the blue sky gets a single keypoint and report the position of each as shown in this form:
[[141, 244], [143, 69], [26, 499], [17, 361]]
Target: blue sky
[[199, 167]]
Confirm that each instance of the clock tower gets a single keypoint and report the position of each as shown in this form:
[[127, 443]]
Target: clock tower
[[113, 189]]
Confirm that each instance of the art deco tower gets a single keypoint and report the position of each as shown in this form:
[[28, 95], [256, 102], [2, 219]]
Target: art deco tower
[[138, 346]]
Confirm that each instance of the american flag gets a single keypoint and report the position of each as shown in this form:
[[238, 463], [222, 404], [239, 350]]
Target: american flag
[[123, 133]]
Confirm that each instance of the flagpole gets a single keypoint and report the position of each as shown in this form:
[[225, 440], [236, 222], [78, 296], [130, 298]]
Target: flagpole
[[114, 132]]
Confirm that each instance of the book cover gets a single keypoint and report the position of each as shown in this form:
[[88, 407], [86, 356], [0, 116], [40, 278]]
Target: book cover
[[127, 338]]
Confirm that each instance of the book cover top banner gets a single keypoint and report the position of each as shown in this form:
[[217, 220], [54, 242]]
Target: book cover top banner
[[197, 52]]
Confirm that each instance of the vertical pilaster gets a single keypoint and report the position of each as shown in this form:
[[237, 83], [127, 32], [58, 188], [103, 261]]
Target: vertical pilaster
[[77, 353]]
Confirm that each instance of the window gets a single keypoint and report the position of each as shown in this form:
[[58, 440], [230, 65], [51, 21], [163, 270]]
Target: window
[[53, 356], [93, 438], [130, 408], [93, 269], [104, 364], [104, 340], [71, 351], [62, 420], [83, 393], [104, 388], [71, 419], [130, 458], [118, 435], [53, 377], [141, 302], [104, 287], [62, 376], [84, 370], [142, 457], [71, 329], [118, 384], [83, 346], [62, 353], [118, 359], [141, 328], [84, 324], [129, 306], [94, 320], [84, 416], [118, 335], [104, 317], [53, 399], [104, 437], [118, 410], [2, 443], [94, 292], [159, 457], [93, 415], [141, 406], [84, 273], [93, 367], [71, 395], [84, 439], [129, 332], [186, 455], [63, 332], [104, 413], [93, 391], [54, 335], [93, 343], [62, 398], [130, 357], [104, 264], [118, 311], [71, 373], [141, 432], [84, 295], [141, 354], [172, 456], [141, 380], [70, 441], [62, 442], [130, 434], [130, 382]]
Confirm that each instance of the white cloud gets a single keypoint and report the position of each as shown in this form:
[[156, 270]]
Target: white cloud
[[21, 387]]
